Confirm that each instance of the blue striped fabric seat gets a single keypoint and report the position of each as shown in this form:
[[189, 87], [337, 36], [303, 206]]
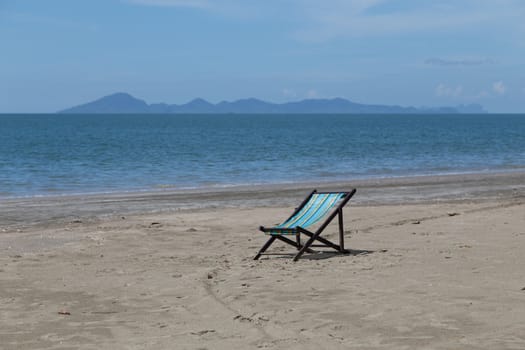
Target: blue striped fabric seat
[[313, 211]]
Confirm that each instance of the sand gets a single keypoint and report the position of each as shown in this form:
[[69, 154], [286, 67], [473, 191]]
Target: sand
[[436, 263]]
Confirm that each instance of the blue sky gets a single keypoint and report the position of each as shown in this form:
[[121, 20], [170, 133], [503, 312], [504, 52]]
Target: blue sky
[[59, 53]]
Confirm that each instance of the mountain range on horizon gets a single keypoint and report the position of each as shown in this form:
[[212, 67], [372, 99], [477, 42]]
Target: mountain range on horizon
[[124, 103]]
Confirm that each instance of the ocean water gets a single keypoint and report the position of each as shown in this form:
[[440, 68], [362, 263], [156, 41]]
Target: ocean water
[[66, 154]]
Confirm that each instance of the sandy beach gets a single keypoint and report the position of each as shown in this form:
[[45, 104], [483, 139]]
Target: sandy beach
[[436, 263]]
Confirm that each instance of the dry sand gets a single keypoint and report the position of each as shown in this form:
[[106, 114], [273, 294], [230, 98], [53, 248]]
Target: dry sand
[[437, 263]]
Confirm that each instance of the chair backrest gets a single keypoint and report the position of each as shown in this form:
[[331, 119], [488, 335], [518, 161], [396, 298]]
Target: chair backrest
[[314, 209]]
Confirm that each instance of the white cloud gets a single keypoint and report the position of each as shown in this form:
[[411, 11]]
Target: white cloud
[[499, 88], [289, 93], [312, 94], [443, 90], [330, 19], [316, 20], [357, 19]]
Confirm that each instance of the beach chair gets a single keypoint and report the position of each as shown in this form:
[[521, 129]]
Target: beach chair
[[314, 208]]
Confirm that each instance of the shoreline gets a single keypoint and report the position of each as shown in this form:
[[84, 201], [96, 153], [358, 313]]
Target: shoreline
[[30, 211], [167, 189]]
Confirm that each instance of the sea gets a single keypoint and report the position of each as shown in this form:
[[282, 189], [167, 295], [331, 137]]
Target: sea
[[60, 154]]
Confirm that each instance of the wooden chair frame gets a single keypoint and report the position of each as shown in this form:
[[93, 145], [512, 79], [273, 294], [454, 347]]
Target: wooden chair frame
[[277, 232]]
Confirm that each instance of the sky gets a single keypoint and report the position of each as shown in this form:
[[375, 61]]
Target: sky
[[55, 54]]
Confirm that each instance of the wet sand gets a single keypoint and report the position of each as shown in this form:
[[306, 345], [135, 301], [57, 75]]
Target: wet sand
[[436, 263]]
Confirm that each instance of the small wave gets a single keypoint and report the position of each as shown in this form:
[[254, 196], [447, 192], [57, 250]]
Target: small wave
[[165, 186]]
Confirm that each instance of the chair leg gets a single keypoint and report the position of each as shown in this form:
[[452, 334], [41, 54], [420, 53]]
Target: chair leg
[[322, 240], [341, 232], [265, 246], [289, 241], [317, 236], [304, 248], [298, 239]]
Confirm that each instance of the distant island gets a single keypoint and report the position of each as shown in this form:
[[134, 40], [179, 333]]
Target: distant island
[[123, 103]]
